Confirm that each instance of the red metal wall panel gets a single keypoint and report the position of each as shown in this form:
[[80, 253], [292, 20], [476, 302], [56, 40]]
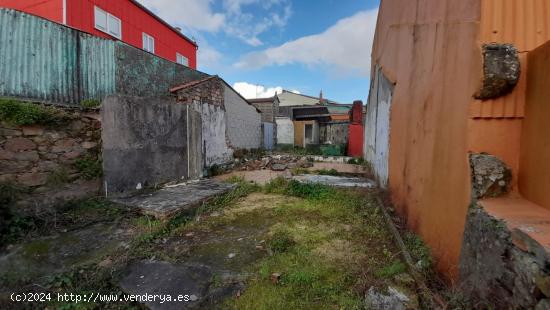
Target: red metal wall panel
[[135, 21], [355, 140], [49, 9]]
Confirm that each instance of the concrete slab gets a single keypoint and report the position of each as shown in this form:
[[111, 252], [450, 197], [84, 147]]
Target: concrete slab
[[335, 180], [187, 286], [175, 199]]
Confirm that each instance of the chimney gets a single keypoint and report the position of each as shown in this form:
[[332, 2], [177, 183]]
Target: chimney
[[321, 97]]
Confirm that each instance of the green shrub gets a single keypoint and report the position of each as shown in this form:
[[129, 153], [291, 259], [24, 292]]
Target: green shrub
[[395, 268], [19, 113], [309, 190], [332, 172], [280, 242], [214, 170], [90, 103], [89, 167], [276, 186]]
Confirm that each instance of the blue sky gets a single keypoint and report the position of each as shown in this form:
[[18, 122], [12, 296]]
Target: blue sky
[[263, 46]]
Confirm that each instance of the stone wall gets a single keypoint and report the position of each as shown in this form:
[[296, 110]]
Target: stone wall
[[41, 157], [494, 272]]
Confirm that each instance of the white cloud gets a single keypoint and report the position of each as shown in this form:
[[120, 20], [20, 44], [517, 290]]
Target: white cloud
[[252, 91], [345, 46], [193, 14]]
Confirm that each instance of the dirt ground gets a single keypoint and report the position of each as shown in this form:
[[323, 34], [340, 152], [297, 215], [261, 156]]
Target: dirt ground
[[279, 245]]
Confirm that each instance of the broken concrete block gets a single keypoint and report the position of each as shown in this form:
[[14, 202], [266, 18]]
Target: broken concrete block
[[394, 299], [490, 176], [278, 167], [501, 70]]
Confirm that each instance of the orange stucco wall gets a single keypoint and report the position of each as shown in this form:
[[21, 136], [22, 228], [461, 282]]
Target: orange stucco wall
[[534, 177], [429, 49]]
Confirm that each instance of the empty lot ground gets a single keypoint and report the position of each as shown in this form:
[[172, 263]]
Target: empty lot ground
[[284, 245]]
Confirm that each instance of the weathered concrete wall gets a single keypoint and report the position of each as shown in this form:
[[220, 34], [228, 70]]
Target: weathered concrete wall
[[377, 129], [243, 121], [142, 74], [144, 142], [334, 133], [41, 157], [215, 148], [285, 130]]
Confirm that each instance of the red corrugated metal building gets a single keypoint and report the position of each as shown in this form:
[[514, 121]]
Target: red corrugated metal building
[[125, 20]]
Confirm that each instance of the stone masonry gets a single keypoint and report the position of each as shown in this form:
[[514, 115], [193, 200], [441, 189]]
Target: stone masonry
[[30, 155]]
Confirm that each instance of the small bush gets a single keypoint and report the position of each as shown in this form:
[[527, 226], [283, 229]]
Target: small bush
[[90, 103], [19, 113], [280, 242], [308, 190], [418, 249], [395, 268], [332, 172], [89, 167]]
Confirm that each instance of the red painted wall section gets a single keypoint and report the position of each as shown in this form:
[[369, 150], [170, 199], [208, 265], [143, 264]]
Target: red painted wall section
[[357, 112], [135, 21], [49, 9], [355, 140]]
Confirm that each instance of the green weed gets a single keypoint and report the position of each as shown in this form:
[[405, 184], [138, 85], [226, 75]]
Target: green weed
[[280, 242], [20, 113], [90, 103], [395, 268]]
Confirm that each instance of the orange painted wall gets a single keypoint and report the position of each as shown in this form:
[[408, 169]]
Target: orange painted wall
[[429, 48], [534, 177], [495, 125]]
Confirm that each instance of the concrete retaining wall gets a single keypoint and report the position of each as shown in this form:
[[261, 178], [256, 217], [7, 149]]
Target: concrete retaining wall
[[144, 142]]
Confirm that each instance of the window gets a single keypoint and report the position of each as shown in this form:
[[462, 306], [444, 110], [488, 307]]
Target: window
[[182, 60], [148, 43], [107, 23]]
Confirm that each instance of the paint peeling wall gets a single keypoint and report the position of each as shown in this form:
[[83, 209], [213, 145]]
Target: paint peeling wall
[[285, 130], [244, 123], [215, 148], [144, 142]]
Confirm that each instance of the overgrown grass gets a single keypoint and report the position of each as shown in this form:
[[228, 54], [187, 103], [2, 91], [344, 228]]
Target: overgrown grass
[[90, 103], [329, 247], [419, 251], [332, 172], [242, 189], [18, 113]]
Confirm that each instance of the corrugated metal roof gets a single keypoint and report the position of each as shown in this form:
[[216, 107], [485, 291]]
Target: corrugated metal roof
[[524, 23], [46, 61]]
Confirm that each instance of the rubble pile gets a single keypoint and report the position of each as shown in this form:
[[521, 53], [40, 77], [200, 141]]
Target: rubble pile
[[276, 163]]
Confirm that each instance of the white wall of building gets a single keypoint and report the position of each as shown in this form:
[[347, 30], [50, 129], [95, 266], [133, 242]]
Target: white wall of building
[[285, 130], [244, 123]]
